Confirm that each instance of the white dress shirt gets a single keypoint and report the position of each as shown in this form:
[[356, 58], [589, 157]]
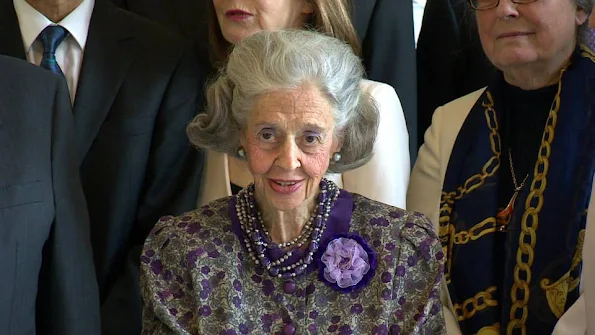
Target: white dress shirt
[[69, 53], [418, 15]]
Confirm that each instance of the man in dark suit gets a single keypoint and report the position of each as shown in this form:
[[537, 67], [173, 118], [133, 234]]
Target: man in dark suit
[[450, 59], [133, 93], [48, 281], [385, 28]]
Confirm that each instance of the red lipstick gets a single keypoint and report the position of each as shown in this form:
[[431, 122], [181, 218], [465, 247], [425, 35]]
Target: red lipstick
[[285, 186], [237, 15]]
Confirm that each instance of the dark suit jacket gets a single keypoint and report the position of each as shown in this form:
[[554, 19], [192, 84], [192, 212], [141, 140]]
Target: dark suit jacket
[[48, 283], [138, 88], [450, 59], [385, 28]]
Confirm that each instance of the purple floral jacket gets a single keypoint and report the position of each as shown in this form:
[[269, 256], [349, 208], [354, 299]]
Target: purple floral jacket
[[197, 278]]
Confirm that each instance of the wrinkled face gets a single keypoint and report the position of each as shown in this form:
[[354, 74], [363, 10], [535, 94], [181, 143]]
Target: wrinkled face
[[288, 140], [543, 31], [242, 18]]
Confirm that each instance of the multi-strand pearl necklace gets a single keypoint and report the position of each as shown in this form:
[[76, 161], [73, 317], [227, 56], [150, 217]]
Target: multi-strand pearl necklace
[[256, 235]]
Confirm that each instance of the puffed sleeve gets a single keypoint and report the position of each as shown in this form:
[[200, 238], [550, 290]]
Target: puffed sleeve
[[166, 284], [419, 269], [386, 176]]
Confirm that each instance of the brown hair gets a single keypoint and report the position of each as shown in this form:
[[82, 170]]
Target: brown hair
[[330, 17]]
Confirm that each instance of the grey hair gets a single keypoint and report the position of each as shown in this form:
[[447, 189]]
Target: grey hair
[[269, 61]]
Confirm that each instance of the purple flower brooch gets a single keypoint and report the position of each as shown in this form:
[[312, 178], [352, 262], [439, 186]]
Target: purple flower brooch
[[347, 262]]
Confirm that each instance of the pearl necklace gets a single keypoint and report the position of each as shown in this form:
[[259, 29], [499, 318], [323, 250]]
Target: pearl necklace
[[256, 235]]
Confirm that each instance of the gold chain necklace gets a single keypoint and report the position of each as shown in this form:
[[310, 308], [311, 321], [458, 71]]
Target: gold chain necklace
[[503, 217]]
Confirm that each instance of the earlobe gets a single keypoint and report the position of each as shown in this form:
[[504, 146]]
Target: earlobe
[[335, 158], [336, 151], [337, 145], [581, 17], [308, 7], [241, 152], [242, 138], [243, 145]]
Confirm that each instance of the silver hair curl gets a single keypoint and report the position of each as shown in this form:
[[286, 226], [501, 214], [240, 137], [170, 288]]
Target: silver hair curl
[[269, 61]]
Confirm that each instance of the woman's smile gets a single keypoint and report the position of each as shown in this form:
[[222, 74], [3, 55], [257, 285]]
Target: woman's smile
[[285, 186]]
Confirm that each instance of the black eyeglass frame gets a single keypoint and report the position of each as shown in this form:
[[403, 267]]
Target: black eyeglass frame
[[496, 3]]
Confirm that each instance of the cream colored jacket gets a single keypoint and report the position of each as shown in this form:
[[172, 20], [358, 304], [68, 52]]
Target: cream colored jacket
[[423, 196], [384, 178]]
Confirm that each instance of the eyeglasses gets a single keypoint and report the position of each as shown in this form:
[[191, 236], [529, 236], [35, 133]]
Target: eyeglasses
[[489, 4]]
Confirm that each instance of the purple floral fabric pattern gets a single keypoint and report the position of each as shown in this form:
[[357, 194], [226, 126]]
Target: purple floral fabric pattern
[[590, 39], [197, 278]]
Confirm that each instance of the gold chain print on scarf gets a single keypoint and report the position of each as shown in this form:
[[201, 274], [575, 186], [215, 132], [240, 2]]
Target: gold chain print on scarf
[[447, 229], [586, 52], [556, 292], [479, 302], [476, 232], [490, 330], [530, 222]]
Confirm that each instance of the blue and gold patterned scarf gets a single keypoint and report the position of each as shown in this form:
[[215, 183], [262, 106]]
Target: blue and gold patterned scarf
[[528, 286]]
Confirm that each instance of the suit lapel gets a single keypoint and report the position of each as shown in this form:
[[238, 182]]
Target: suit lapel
[[362, 11], [2, 112], [107, 58], [11, 41]]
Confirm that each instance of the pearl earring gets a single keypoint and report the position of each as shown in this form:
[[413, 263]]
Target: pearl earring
[[336, 157], [241, 152]]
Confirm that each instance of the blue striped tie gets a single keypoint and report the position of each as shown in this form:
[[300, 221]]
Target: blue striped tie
[[50, 38]]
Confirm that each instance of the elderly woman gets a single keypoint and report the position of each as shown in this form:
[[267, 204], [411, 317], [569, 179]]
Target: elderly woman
[[505, 174], [292, 252], [386, 176]]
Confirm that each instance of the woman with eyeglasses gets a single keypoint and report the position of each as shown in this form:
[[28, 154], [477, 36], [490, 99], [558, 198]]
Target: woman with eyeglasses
[[505, 174]]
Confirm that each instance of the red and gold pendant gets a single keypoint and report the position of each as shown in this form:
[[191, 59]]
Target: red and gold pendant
[[503, 217]]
